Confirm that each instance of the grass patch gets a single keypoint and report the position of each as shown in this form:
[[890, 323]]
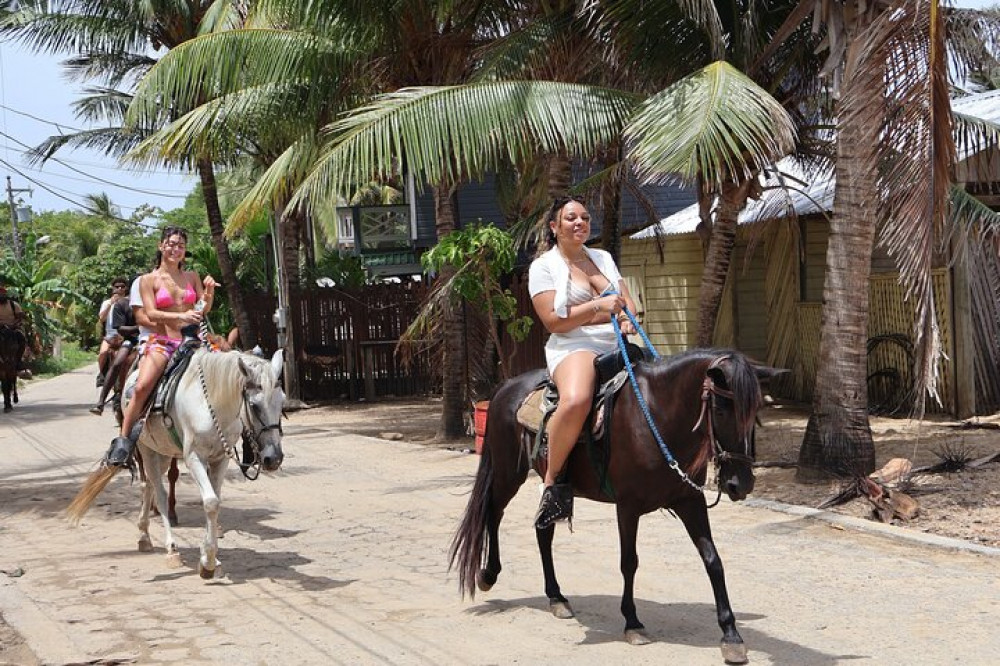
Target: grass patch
[[72, 358]]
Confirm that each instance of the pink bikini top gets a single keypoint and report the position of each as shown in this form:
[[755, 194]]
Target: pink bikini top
[[165, 299]]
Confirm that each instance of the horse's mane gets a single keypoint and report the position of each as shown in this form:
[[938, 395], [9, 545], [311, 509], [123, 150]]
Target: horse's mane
[[224, 380], [740, 378]]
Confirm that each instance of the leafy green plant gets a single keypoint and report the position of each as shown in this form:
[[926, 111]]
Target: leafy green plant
[[480, 255], [43, 295]]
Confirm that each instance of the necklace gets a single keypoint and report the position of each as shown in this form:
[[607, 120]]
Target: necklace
[[572, 262]]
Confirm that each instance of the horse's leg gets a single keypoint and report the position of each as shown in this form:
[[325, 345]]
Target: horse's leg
[[155, 464], [628, 530], [172, 502], [558, 604], [145, 543], [694, 515], [210, 501], [6, 386]]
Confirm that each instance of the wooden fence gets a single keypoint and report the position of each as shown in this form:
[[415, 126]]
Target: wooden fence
[[346, 339]]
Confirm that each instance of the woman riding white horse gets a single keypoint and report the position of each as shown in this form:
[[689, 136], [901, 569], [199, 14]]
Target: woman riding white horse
[[223, 400], [169, 294]]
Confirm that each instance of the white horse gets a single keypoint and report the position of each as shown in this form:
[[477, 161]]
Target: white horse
[[221, 398]]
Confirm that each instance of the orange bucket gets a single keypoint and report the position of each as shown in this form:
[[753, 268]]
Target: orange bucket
[[479, 421]]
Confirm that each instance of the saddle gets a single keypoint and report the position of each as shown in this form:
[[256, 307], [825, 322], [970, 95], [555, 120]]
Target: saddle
[[163, 396], [535, 410]]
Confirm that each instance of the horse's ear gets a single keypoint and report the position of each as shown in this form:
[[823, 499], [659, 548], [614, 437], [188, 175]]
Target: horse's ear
[[278, 365], [765, 373], [244, 368]]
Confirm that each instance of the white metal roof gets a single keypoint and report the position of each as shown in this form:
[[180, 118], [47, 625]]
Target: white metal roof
[[816, 195]]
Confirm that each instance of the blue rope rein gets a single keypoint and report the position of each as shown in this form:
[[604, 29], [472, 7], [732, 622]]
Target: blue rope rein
[[671, 461]]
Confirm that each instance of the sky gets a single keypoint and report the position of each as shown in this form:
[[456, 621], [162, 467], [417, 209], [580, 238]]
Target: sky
[[36, 102]]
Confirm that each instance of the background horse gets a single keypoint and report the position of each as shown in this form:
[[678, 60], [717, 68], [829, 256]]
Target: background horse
[[11, 350], [704, 404], [221, 397]]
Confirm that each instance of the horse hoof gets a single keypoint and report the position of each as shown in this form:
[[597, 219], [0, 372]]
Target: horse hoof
[[174, 560], [207, 574], [145, 545], [561, 609], [7, 408], [636, 637], [482, 581], [734, 653]]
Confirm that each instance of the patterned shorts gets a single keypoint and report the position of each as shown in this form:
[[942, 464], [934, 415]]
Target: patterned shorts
[[162, 344]]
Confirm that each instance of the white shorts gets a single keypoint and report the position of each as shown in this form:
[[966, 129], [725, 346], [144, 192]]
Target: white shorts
[[598, 339]]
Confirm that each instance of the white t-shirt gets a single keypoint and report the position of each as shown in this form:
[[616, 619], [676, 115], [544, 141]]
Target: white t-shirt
[[104, 314], [135, 301]]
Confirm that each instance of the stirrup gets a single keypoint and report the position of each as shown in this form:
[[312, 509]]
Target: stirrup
[[556, 504], [120, 453]]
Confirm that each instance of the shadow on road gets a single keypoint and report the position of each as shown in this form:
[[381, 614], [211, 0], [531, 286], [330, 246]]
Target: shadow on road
[[693, 625]]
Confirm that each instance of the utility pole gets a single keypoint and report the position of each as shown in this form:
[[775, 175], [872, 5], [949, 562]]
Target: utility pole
[[13, 216]]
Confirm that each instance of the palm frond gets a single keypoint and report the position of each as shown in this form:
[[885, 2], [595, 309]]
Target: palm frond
[[447, 133], [275, 186], [913, 157], [217, 64], [714, 124]]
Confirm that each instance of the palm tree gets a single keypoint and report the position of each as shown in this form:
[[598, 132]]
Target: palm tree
[[326, 57], [895, 151], [111, 41], [444, 134]]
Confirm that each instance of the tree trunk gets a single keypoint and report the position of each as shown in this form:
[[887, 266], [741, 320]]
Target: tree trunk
[[288, 282], [720, 255], [838, 439], [560, 174], [611, 223], [454, 362], [248, 332]]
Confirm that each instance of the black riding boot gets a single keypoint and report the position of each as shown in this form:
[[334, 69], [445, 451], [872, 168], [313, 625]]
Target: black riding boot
[[120, 452], [556, 504]]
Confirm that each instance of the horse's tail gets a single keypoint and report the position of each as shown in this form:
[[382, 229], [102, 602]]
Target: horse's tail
[[94, 486], [469, 546]]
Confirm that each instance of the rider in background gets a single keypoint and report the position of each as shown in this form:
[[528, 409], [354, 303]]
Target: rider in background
[[111, 339], [575, 292], [11, 318], [169, 294], [123, 322]]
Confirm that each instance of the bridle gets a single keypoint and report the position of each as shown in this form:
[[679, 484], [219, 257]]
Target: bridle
[[709, 391], [251, 436]]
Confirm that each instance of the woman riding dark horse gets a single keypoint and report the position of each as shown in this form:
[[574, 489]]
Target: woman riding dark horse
[[702, 405]]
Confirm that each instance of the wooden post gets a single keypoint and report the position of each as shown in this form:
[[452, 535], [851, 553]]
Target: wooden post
[[963, 368]]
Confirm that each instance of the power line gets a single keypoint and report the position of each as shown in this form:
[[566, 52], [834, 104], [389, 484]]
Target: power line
[[41, 120], [96, 178]]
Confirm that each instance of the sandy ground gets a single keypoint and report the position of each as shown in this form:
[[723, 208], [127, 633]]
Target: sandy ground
[[964, 504], [341, 558]]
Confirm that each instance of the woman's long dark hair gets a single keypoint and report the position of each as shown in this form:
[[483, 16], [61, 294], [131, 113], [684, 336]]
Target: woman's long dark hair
[[164, 235], [551, 215]]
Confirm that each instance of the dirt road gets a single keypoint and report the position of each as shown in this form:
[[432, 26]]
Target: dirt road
[[342, 558]]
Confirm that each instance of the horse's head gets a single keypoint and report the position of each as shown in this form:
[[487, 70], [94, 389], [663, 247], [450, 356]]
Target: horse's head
[[732, 393], [264, 399]]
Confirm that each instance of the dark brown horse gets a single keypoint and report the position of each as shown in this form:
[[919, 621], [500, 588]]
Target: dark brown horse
[[704, 405], [11, 350]]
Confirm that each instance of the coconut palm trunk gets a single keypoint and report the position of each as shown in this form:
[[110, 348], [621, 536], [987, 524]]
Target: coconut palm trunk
[[719, 257], [248, 333], [838, 439], [288, 279], [454, 362]]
